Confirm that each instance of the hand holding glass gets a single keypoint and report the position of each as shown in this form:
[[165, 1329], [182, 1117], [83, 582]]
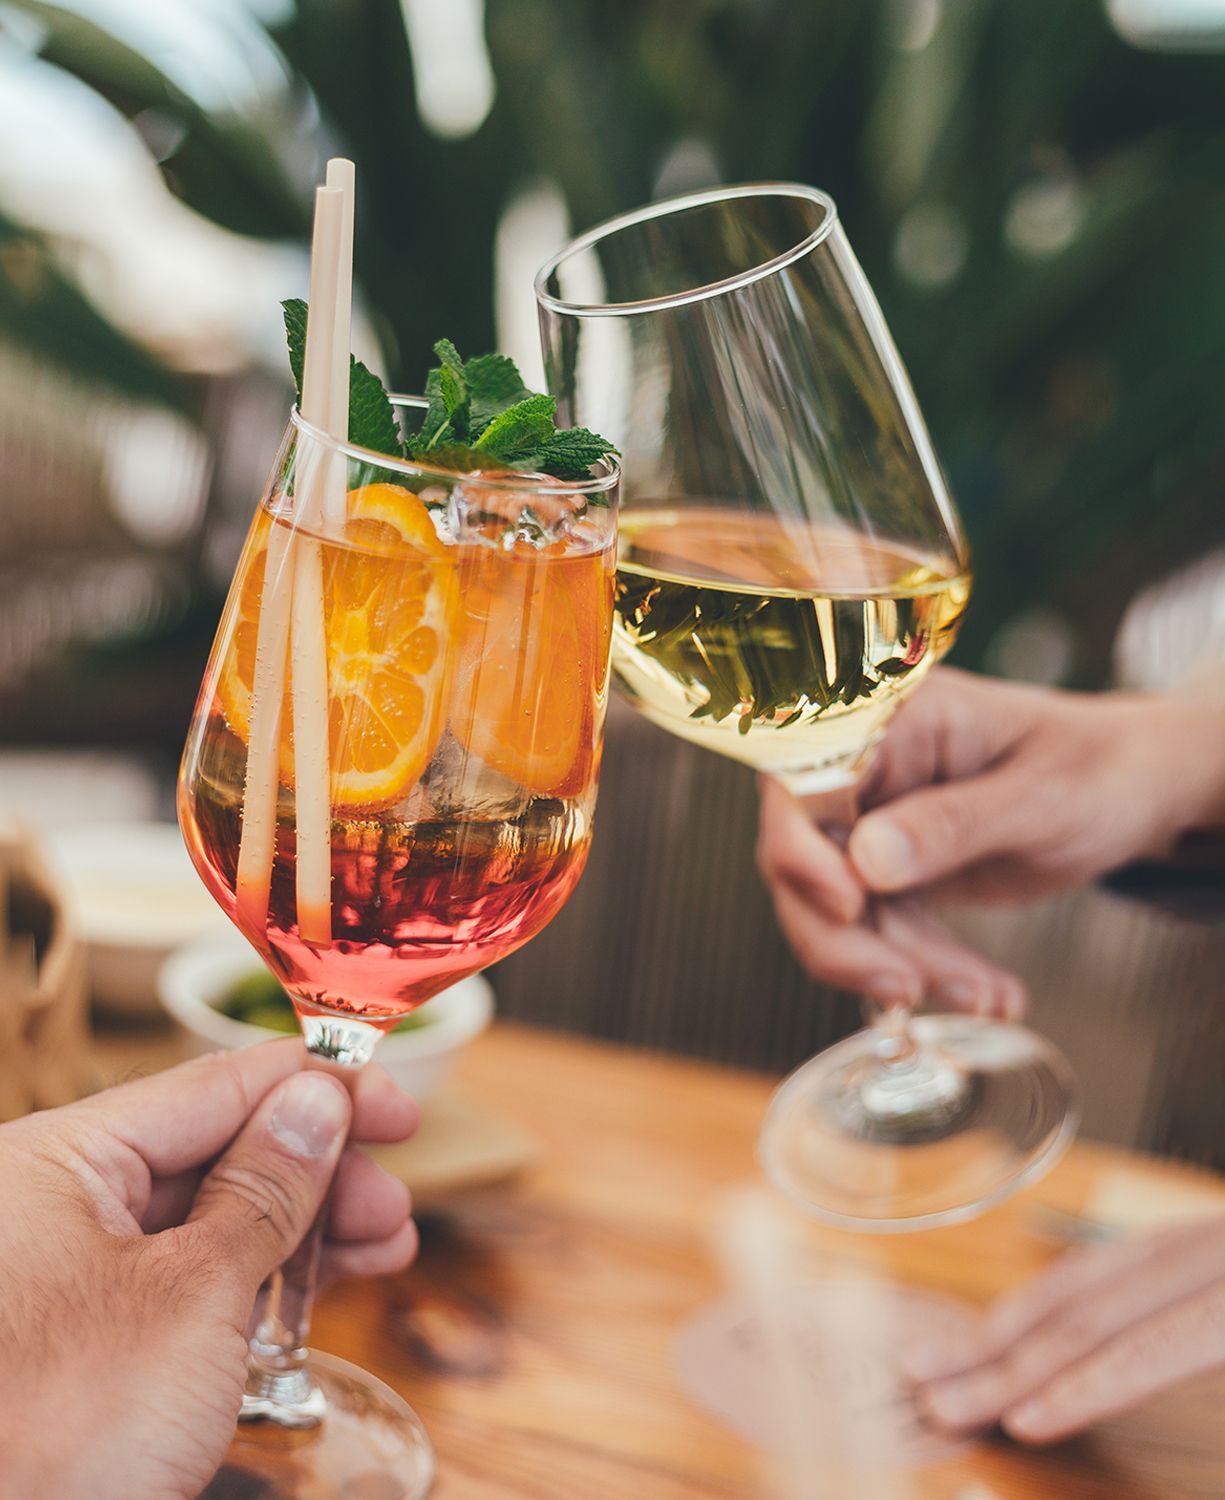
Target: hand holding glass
[[388, 785], [790, 568]]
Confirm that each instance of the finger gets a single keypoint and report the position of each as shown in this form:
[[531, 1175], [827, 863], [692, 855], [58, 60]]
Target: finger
[[791, 847], [1015, 1315], [374, 1258], [170, 1201], [186, 1115], [382, 1111], [955, 726], [1132, 1292], [955, 977], [934, 832], [854, 958], [1179, 1342], [368, 1203], [257, 1203]]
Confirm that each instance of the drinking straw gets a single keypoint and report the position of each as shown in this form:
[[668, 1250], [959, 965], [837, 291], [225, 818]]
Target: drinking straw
[[325, 403], [292, 619], [342, 177]]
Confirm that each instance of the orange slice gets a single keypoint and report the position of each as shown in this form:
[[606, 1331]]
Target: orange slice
[[531, 662], [390, 601]]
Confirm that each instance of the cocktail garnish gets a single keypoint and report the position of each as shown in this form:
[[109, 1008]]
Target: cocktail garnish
[[480, 415]]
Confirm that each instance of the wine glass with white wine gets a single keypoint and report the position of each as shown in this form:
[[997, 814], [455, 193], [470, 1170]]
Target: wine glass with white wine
[[790, 569]]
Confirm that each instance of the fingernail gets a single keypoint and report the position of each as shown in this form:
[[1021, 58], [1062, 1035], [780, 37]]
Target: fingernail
[[1025, 1421], [310, 1114], [883, 854], [891, 989]]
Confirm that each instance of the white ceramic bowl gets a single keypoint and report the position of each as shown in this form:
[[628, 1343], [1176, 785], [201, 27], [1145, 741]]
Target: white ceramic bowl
[[195, 977], [133, 897]]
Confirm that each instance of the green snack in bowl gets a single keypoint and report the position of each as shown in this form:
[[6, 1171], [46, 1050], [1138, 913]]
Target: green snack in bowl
[[258, 1000]]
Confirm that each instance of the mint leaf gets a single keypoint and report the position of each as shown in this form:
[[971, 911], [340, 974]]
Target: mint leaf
[[479, 414], [519, 430], [494, 383], [452, 387], [294, 312], [436, 424], [570, 454], [449, 358], [372, 418], [460, 457]]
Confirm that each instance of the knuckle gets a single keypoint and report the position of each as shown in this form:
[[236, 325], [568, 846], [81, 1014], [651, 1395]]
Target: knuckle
[[943, 829], [262, 1193]]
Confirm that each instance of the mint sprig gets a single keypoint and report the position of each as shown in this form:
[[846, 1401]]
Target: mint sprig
[[480, 414], [372, 418]]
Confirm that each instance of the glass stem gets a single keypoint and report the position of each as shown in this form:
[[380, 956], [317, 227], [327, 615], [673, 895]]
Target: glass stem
[[279, 1385], [911, 1089], [895, 1045]]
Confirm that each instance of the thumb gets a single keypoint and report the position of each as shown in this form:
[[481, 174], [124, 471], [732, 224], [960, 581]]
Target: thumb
[[257, 1203], [924, 837]]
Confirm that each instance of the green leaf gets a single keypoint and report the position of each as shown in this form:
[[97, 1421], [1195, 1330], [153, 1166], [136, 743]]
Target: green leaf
[[494, 383], [457, 456], [435, 423], [479, 414], [450, 359], [372, 418], [452, 387], [570, 454], [520, 430], [294, 311]]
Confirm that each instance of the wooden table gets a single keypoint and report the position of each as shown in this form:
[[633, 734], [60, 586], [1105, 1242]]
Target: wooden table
[[535, 1334]]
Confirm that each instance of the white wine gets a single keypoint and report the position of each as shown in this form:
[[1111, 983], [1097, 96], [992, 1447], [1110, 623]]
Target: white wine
[[782, 644]]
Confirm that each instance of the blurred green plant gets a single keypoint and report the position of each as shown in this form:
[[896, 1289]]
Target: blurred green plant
[[1040, 207]]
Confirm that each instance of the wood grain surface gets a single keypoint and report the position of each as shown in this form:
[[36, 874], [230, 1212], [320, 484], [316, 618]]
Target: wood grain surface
[[535, 1335]]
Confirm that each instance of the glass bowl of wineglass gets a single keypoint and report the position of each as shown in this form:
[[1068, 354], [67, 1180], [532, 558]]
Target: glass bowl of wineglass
[[388, 784], [791, 567]]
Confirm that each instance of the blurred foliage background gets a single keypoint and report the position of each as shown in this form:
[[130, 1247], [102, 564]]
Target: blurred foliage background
[[1036, 189]]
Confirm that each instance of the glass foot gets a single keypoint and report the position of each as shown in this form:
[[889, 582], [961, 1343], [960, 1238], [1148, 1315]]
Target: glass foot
[[980, 1108], [370, 1446]]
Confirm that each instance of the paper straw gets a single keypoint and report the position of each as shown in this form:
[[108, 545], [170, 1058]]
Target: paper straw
[[325, 403], [341, 177], [257, 845], [294, 593], [312, 774]]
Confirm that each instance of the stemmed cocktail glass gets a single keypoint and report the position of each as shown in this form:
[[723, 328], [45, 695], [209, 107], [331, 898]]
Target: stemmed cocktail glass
[[790, 568], [406, 696]]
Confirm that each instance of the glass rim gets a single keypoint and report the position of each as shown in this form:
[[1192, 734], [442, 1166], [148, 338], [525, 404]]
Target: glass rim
[[664, 208], [510, 479]]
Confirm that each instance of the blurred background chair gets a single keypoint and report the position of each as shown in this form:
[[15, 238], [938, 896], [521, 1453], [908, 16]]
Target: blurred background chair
[[1037, 193]]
